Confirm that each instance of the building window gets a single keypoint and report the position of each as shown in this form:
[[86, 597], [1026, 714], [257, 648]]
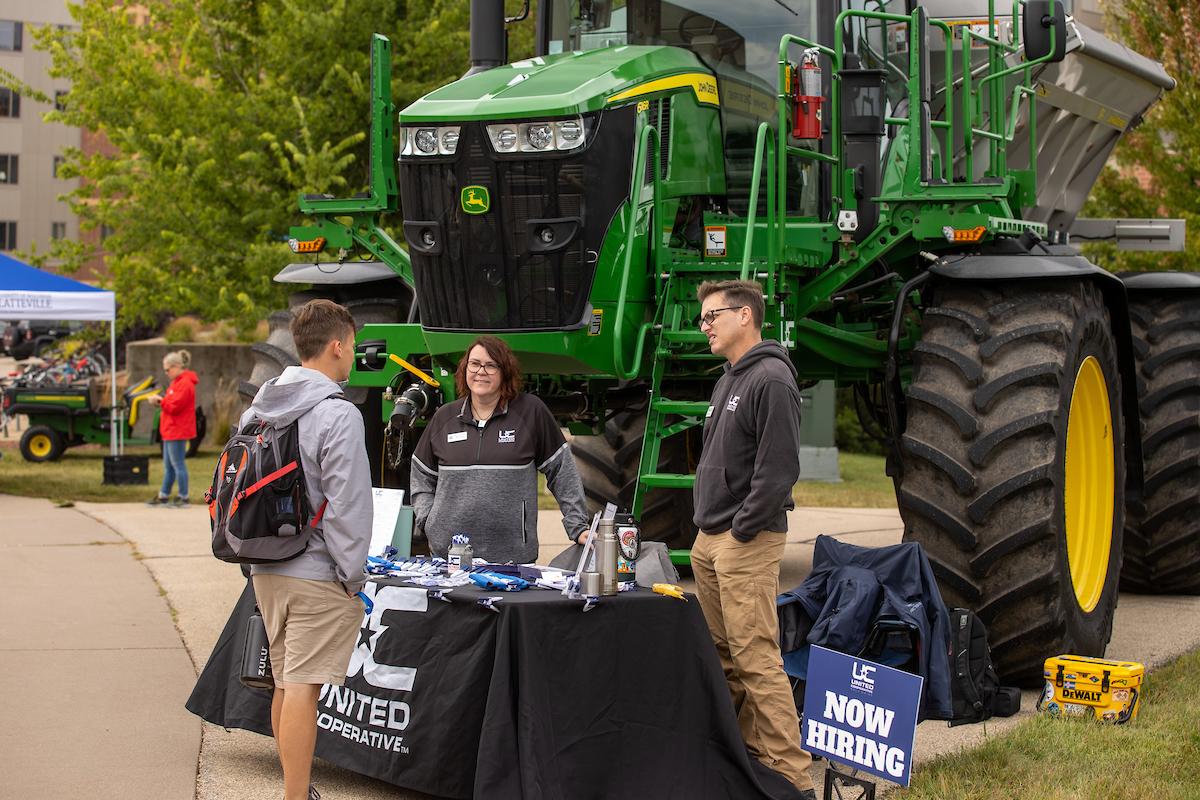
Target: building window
[[8, 169], [8, 236], [58, 230], [58, 162], [60, 99], [10, 35], [10, 103], [105, 232]]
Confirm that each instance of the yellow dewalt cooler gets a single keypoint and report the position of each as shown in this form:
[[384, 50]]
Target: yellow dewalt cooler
[[1081, 686]]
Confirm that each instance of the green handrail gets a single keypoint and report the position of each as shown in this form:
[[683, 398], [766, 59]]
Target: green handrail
[[760, 146], [647, 138]]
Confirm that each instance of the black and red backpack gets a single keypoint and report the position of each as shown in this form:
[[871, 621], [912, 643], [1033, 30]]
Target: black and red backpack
[[258, 503]]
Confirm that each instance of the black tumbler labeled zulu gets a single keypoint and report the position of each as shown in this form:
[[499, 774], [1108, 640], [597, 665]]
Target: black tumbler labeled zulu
[[256, 657]]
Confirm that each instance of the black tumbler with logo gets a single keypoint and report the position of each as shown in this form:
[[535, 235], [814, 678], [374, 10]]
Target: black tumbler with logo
[[256, 657]]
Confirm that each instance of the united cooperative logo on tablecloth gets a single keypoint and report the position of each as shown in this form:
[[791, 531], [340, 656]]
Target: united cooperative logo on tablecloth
[[25, 301], [374, 721]]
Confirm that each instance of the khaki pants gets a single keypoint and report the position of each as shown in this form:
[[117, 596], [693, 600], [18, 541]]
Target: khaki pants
[[737, 584]]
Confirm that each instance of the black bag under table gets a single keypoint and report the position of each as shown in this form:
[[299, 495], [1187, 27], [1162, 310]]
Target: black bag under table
[[539, 701]]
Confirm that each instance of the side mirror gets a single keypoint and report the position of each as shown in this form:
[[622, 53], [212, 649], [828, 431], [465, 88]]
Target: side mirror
[[1040, 17], [595, 15]]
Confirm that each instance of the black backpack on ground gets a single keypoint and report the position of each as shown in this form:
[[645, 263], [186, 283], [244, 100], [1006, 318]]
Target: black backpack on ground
[[976, 688], [258, 503]]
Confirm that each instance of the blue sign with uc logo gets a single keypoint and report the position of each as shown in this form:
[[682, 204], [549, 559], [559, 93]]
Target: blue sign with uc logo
[[861, 714]]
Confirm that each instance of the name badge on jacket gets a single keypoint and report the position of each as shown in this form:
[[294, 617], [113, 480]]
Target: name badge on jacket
[[461, 436]]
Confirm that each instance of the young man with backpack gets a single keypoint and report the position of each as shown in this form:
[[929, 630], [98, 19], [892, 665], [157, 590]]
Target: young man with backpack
[[308, 603]]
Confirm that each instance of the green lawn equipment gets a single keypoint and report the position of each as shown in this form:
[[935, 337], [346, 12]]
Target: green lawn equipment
[[78, 413]]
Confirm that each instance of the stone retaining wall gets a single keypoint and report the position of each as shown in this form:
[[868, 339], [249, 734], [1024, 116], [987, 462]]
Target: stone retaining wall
[[220, 367]]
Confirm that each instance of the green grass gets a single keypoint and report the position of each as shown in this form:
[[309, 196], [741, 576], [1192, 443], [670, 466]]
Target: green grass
[[863, 485], [1155, 757], [78, 475]]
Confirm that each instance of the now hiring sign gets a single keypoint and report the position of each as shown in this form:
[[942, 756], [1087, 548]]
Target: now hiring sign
[[861, 714]]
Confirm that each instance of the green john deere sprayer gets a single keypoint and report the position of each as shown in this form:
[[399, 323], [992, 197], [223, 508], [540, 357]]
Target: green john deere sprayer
[[902, 180]]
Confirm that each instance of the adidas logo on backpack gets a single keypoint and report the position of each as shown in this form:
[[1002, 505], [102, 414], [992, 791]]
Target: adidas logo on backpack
[[258, 504]]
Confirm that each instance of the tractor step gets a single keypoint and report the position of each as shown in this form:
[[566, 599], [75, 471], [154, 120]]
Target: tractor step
[[686, 408], [684, 337], [668, 480], [681, 558]]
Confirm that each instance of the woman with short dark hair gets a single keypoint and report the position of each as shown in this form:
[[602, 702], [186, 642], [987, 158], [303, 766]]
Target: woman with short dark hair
[[475, 469]]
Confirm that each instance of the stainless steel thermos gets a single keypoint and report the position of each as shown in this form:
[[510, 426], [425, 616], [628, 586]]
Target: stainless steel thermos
[[256, 657], [606, 556]]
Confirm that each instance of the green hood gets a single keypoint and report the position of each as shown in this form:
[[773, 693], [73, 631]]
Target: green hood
[[550, 86]]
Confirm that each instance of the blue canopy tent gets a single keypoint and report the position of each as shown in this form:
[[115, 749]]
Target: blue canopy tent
[[30, 293]]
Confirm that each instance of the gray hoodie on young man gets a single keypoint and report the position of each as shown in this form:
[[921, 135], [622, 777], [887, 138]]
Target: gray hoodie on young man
[[333, 453], [751, 455]]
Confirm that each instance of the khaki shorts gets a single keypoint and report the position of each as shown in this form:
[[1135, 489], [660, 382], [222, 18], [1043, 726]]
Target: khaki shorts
[[311, 626]]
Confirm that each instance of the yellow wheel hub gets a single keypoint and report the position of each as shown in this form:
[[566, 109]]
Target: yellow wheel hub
[[40, 445], [1090, 476]]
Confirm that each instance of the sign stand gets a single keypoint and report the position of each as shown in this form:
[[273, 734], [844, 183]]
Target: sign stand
[[837, 782]]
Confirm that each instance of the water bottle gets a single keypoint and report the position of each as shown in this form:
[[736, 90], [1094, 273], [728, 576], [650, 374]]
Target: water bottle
[[256, 655], [606, 556], [461, 555]]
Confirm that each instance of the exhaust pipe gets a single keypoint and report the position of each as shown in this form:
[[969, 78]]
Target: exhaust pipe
[[489, 42]]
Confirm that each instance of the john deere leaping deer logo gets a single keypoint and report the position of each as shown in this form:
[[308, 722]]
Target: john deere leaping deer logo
[[475, 200]]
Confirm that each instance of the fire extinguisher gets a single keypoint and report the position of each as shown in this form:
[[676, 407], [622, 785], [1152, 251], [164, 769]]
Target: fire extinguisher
[[806, 98]]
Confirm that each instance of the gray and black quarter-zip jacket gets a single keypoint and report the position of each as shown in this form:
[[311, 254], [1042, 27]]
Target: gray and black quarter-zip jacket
[[481, 479], [751, 456]]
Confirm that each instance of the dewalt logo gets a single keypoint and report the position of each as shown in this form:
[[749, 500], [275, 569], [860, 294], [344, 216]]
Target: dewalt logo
[[1081, 695]]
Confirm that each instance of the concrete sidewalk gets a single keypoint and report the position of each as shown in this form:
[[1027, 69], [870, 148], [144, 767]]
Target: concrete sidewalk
[[95, 670]]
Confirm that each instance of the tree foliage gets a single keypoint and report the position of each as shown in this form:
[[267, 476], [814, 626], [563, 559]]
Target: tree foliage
[[1156, 169], [220, 113]]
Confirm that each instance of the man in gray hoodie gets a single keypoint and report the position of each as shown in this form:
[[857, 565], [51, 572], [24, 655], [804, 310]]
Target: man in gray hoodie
[[308, 604], [743, 491]]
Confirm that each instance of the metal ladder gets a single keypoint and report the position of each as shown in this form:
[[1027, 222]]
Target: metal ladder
[[677, 339]]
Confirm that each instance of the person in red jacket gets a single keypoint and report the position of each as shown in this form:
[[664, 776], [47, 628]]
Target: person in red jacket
[[177, 424]]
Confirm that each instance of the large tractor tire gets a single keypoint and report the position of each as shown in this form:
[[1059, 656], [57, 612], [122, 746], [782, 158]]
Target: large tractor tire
[[608, 465], [272, 356], [1013, 474], [1162, 533], [368, 303]]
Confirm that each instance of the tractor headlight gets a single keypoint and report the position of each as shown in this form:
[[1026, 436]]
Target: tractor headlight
[[570, 133], [426, 140], [504, 138], [429, 141], [538, 137]]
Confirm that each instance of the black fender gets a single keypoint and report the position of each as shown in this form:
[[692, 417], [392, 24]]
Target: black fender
[[1160, 281], [1007, 267]]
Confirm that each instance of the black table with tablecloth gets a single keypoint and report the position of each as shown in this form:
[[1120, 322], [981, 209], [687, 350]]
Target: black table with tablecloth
[[539, 701]]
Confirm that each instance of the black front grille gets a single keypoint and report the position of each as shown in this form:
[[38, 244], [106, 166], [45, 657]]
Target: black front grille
[[491, 271]]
